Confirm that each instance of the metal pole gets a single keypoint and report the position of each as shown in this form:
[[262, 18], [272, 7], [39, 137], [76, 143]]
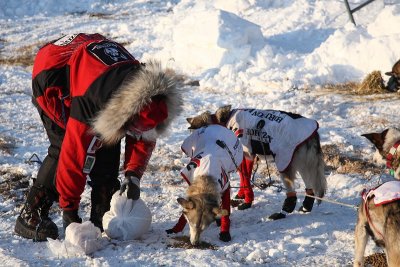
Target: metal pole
[[362, 5], [350, 12]]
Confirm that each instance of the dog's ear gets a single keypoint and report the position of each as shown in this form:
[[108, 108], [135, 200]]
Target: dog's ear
[[222, 113], [200, 120], [378, 139], [189, 120], [186, 204], [220, 212]]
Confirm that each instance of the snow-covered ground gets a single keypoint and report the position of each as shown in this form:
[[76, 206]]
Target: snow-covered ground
[[276, 54]]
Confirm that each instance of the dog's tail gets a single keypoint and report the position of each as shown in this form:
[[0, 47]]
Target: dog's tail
[[318, 178], [392, 233]]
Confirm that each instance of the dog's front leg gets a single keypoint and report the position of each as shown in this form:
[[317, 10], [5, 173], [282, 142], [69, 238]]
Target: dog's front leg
[[361, 239]]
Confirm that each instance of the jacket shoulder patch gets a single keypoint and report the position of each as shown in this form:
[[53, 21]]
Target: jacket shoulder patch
[[109, 52]]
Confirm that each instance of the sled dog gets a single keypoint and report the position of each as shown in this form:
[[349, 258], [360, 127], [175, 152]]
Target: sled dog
[[215, 152], [379, 218], [387, 149], [291, 139]]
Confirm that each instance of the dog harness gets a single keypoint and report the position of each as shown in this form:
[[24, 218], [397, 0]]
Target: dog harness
[[383, 194], [393, 159], [214, 151], [279, 132]]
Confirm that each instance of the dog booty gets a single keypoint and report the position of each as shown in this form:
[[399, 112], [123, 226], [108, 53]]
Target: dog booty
[[127, 219]]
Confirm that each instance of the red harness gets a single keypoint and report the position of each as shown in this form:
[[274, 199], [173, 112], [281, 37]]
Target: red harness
[[391, 156], [365, 196]]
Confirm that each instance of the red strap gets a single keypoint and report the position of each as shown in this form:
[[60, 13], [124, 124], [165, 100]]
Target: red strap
[[180, 224], [369, 217], [391, 155]]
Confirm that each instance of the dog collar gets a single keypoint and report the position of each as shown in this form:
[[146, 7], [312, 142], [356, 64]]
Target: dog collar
[[392, 159]]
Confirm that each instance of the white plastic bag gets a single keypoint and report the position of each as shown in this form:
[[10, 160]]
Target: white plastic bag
[[127, 219]]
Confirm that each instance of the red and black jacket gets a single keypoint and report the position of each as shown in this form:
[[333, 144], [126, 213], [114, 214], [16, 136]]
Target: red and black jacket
[[82, 80]]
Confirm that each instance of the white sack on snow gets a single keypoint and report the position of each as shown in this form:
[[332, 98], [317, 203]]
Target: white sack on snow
[[80, 239], [127, 219]]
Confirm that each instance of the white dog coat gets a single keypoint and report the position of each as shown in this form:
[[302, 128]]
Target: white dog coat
[[385, 193], [284, 132], [214, 151]]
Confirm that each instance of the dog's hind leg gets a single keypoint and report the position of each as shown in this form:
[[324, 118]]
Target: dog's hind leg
[[308, 160], [360, 238]]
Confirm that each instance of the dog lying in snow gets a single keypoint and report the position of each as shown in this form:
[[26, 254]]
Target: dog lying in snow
[[291, 139], [393, 84], [215, 152], [379, 217]]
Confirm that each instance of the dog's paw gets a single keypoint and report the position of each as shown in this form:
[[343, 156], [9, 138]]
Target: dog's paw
[[236, 202], [225, 236], [277, 216], [170, 231], [304, 210], [244, 206]]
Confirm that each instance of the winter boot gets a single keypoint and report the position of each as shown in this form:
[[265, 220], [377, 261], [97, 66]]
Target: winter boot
[[70, 216], [308, 202], [33, 221], [100, 199]]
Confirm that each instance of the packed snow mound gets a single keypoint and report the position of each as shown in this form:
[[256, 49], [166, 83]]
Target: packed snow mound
[[357, 51], [126, 219], [209, 38], [80, 239]]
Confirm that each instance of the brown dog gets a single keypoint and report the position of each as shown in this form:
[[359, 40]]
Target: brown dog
[[394, 80], [379, 217]]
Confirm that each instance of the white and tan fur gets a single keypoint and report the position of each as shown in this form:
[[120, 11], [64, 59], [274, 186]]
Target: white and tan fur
[[202, 205], [307, 159], [385, 231], [383, 142], [383, 225]]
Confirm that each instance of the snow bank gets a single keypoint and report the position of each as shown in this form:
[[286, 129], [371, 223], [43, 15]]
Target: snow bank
[[350, 53], [206, 38]]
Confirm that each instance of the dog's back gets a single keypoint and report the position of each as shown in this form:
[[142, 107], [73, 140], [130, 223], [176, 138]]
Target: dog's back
[[382, 224]]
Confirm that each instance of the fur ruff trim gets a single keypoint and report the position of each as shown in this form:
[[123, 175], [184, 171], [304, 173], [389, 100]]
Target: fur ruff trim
[[133, 95]]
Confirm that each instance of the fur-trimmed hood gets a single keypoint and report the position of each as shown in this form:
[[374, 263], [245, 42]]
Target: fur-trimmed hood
[[135, 93]]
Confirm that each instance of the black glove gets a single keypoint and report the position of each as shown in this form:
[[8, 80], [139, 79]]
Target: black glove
[[133, 185]]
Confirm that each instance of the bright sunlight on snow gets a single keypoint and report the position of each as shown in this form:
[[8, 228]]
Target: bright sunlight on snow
[[293, 55]]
